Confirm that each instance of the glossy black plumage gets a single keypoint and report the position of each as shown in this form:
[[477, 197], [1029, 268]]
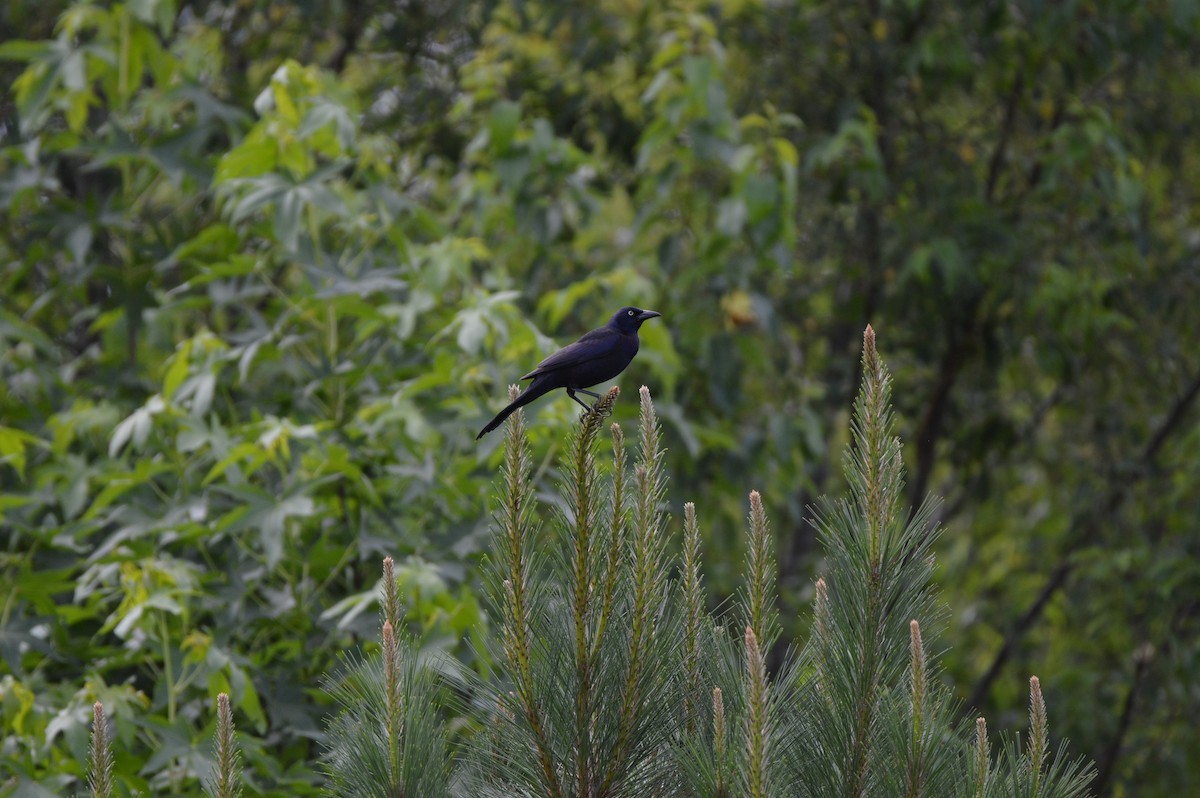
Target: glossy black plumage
[[596, 357]]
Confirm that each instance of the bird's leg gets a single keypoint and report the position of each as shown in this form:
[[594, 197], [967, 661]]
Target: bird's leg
[[584, 405], [596, 396]]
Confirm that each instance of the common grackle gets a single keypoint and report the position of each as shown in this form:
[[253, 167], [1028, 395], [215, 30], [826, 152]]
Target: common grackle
[[597, 357]]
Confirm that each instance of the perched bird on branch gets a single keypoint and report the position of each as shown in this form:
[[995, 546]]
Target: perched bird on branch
[[597, 357]]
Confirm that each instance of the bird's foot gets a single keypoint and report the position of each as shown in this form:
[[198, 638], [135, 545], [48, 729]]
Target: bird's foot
[[606, 412], [589, 411]]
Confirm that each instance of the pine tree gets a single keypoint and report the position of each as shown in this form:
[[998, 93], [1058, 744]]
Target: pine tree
[[615, 680]]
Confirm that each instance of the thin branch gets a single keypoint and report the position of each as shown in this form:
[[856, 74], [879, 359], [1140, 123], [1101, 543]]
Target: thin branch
[[1112, 753], [1006, 131], [930, 427], [1088, 528], [1172, 421]]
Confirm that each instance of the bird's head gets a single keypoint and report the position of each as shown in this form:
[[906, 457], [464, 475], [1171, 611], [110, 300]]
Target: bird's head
[[628, 319]]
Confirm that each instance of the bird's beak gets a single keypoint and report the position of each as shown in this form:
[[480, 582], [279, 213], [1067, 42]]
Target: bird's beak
[[648, 314]]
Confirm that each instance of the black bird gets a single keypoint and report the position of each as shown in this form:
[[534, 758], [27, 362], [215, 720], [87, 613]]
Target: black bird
[[597, 357]]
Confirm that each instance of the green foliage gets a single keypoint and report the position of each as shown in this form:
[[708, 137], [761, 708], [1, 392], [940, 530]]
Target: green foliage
[[388, 739], [877, 580], [588, 628], [264, 267], [602, 664]]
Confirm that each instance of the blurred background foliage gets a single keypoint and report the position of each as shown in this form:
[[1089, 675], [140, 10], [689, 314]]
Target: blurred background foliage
[[266, 267]]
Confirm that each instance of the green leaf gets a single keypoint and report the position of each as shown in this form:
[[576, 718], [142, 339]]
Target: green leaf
[[10, 501], [731, 216], [251, 455], [116, 486], [268, 517], [23, 50], [13, 443], [24, 787], [178, 369], [502, 125], [471, 330], [255, 156], [136, 427]]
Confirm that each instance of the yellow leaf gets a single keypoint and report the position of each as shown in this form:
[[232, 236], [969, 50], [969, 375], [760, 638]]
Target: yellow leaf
[[12, 447], [178, 370], [786, 151]]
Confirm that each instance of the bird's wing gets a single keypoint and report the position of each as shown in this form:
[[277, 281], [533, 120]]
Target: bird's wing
[[593, 345]]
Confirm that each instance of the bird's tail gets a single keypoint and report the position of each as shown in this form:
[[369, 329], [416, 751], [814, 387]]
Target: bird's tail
[[528, 395]]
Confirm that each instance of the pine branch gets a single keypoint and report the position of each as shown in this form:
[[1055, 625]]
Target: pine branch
[[647, 576], [1036, 771], [719, 742], [516, 532], [919, 689], [225, 781], [760, 568], [756, 717], [874, 484], [879, 570], [616, 537], [387, 738], [394, 703], [822, 636], [581, 483], [875, 464], [100, 766], [392, 607], [1038, 734], [693, 592], [983, 758]]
